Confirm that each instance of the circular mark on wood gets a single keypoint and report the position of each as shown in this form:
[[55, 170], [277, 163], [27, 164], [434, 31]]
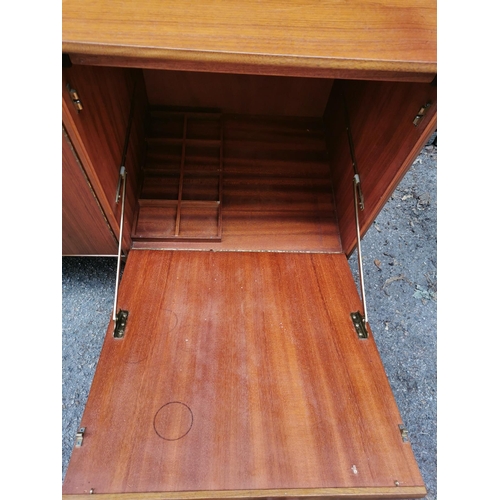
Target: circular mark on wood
[[173, 421], [170, 320]]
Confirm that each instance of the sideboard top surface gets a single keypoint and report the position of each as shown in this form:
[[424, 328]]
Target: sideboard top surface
[[275, 36]]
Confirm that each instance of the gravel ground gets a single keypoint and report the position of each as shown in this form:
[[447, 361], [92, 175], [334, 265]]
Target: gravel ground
[[399, 256]]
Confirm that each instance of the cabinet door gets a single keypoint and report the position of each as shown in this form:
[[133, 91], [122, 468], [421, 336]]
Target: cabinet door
[[85, 229], [240, 375], [100, 132], [387, 137]]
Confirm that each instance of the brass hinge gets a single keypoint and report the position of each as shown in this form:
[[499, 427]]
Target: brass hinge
[[120, 324], [79, 437], [421, 113], [359, 324], [404, 433], [75, 98]]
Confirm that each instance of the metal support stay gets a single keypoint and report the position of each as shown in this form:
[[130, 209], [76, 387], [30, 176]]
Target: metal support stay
[[359, 204], [120, 325], [120, 319], [357, 189]]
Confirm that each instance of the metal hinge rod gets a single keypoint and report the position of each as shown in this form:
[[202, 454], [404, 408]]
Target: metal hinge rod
[[122, 181], [359, 204], [356, 189], [120, 319]]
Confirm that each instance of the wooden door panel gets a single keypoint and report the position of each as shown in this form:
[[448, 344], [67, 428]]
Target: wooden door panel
[[85, 230], [386, 142], [240, 375], [98, 133]]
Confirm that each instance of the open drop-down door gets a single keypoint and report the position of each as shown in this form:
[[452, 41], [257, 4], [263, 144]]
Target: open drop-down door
[[241, 375]]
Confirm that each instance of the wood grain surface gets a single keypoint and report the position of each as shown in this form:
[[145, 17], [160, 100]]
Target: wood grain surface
[[85, 230], [384, 37], [240, 374], [239, 94]]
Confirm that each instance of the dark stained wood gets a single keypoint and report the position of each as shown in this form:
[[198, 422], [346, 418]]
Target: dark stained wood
[[99, 131], [240, 371], [385, 140], [306, 38], [386, 143], [85, 230], [155, 219], [276, 188], [239, 94]]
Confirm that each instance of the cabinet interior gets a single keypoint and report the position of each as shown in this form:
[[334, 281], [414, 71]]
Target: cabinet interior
[[245, 162], [235, 162], [239, 155]]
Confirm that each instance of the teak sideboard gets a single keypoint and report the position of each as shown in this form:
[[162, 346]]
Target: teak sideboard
[[233, 153]]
